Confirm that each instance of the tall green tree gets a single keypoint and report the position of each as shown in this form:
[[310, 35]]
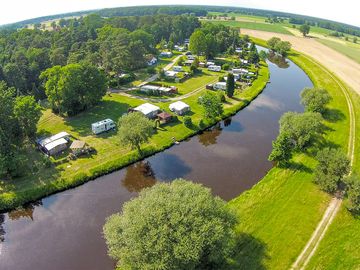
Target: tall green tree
[[135, 129], [281, 149], [230, 85], [28, 114], [182, 226], [353, 192], [332, 166], [74, 87], [302, 128], [212, 105], [315, 99], [198, 43], [304, 29]]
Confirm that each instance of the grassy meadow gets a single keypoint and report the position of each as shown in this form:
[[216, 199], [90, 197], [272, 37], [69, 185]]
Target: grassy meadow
[[279, 214]]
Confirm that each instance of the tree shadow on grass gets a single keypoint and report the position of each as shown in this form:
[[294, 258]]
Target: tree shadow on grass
[[333, 115], [249, 253], [81, 123]]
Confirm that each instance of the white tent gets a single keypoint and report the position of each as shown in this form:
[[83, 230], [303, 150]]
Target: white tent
[[147, 109], [55, 137], [56, 146], [179, 107]]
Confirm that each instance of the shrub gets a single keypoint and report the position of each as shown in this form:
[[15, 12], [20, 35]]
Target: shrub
[[353, 193], [226, 66], [187, 121]]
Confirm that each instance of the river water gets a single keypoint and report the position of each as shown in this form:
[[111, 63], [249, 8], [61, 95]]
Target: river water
[[63, 231]]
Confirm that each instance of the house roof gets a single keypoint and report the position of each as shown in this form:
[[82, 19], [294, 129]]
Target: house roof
[[55, 143], [146, 108], [77, 144], [178, 106]]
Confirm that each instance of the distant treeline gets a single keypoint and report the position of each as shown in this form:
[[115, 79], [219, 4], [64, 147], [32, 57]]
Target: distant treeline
[[199, 11]]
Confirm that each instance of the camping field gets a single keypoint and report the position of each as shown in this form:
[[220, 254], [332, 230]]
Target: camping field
[[110, 155]]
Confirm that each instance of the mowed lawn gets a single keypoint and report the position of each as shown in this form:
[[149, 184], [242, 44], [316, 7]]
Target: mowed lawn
[[278, 216], [110, 154], [277, 28]]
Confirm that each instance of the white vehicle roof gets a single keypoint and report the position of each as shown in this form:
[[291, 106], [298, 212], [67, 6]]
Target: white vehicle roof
[[178, 105], [170, 73], [221, 83], [55, 143], [146, 108], [102, 122], [55, 137]]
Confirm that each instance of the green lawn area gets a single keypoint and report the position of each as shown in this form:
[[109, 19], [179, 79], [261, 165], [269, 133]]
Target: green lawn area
[[350, 50], [277, 28], [110, 154], [340, 248], [278, 215], [239, 16]]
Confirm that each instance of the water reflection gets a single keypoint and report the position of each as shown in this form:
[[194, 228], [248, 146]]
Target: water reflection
[[26, 211], [278, 60], [169, 166], [138, 176], [227, 122], [2, 230], [209, 137]]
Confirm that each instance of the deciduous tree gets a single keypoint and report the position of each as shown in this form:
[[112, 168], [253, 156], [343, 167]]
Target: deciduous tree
[[315, 99], [173, 226], [135, 129]]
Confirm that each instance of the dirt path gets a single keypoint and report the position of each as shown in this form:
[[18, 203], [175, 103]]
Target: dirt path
[[167, 67], [345, 68]]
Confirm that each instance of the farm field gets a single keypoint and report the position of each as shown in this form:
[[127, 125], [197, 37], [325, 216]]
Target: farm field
[[110, 154], [276, 28], [285, 207], [350, 50]]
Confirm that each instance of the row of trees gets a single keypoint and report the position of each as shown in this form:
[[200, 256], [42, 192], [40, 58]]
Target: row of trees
[[18, 120], [298, 131]]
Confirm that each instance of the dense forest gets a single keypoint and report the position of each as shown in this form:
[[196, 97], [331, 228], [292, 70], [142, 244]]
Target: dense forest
[[114, 44]]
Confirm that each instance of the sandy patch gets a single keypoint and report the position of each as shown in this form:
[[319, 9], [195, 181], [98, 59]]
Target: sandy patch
[[345, 68]]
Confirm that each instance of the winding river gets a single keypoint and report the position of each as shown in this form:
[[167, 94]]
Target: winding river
[[63, 231]]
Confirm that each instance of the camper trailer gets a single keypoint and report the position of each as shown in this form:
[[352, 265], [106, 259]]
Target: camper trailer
[[102, 126], [220, 86], [214, 68]]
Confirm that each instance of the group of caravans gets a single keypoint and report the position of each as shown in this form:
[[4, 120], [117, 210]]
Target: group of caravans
[[149, 110]]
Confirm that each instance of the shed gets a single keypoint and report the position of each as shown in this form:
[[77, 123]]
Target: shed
[[164, 117], [77, 146], [179, 107], [56, 146], [147, 109]]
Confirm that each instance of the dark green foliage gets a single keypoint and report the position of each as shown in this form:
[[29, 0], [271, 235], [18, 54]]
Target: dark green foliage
[[281, 149], [28, 114], [304, 29], [226, 66], [135, 129], [230, 85], [332, 167], [181, 226], [74, 88], [18, 120], [302, 128], [315, 99], [278, 46], [212, 105], [353, 192], [187, 121], [221, 96]]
